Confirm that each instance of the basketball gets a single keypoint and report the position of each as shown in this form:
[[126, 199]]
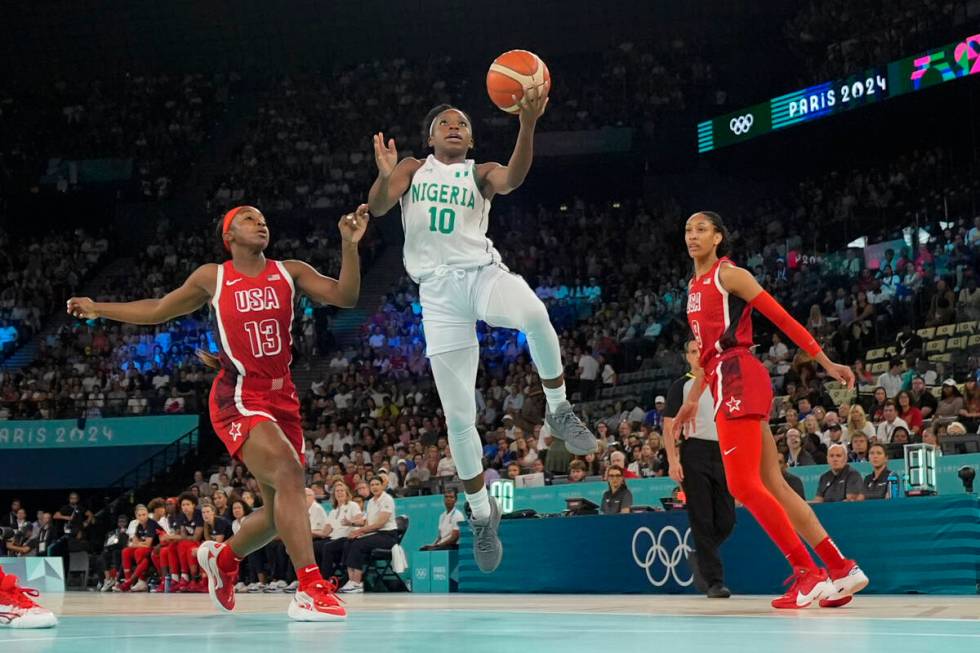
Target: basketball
[[511, 74]]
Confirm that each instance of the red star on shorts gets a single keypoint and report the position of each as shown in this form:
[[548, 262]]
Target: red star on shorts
[[235, 431], [734, 405]]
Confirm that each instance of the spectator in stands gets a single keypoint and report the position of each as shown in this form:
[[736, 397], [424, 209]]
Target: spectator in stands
[[10, 519], [862, 375], [890, 421], [588, 374], [22, 542], [577, 471], [840, 482], [922, 397], [379, 532], [891, 380], [908, 411], [833, 435], [618, 459], [877, 410], [950, 402], [859, 448], [970, 413], [791, 479], [618, 498], [857, 422], [655, 417], [777, 358], [449, 522], [648, 464], [876, 483], [796, 455], [956, 428]]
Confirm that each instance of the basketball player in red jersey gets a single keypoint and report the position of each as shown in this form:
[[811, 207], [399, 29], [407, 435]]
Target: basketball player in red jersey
[[253, 403], [720, 300]]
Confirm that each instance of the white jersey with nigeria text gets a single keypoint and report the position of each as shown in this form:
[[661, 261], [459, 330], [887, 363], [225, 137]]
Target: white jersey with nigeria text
[[445, 220]]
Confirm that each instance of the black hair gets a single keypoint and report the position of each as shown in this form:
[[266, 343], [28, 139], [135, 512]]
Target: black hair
[[187, 496], [724, 247], [219, 227], [429, 117]]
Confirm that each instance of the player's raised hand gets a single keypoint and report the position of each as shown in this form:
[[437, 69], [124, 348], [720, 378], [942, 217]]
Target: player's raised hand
[[82, 308], [533, 104], [385, 156], [353, 225]]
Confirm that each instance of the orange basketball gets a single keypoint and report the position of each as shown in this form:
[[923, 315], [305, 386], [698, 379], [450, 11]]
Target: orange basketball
[[511, 73]]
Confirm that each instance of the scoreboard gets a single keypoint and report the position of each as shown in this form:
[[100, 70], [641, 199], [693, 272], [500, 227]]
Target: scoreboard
[[874, 85]]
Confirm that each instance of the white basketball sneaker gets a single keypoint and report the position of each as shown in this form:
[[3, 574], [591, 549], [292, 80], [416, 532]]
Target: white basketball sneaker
[[17, 606], [317, 602]]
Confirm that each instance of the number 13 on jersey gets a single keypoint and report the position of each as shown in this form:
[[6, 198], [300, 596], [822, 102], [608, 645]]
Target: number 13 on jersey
[[264, 338]]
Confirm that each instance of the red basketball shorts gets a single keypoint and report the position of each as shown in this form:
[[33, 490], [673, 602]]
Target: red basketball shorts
[[740, 386], [238, 404]]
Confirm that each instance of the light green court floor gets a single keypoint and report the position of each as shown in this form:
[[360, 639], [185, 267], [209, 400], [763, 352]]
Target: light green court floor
[[502, 624]]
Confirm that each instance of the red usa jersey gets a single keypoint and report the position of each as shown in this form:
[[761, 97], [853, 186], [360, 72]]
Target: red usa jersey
[[254, 316], [719, 320]]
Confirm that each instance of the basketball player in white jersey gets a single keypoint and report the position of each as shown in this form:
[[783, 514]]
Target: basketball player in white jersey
[[445, 205]]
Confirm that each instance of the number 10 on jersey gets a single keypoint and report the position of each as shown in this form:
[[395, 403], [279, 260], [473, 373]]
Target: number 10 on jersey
[[443, 221]]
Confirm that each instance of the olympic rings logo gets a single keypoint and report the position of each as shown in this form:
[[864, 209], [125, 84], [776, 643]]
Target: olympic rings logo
[[659, 553], [741, 124]]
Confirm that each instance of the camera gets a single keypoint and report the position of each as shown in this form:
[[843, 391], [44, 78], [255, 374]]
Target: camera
[[6, 533]]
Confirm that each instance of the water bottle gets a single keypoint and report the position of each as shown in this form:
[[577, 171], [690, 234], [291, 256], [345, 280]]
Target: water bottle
[[893, 489]]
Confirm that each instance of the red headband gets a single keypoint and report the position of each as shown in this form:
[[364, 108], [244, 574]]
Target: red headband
[[227, 224]]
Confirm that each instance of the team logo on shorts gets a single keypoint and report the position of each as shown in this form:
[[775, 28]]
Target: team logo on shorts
[[734, 405], [235, 431]]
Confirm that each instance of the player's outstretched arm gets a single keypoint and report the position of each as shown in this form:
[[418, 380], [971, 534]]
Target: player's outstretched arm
[[742, 284], [194, 294], [501, 180], [342, 292], [394, 176]]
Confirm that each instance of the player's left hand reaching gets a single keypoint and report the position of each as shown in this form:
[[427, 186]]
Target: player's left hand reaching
[[353, 225], [533, 103]]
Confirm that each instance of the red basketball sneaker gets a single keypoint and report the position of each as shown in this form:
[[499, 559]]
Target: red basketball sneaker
[[221, 584], [848, 581], [808, 586], [17, 606], [317, 602]]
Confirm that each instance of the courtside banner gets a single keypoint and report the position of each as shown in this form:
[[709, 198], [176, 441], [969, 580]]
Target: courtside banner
[[101, 432]]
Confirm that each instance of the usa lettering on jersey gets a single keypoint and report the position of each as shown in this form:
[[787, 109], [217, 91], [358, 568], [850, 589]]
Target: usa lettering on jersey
[[256, 299], [694, 302]]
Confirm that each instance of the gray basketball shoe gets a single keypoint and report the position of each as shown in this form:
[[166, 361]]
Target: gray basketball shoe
[[487, 549], [567, 427]]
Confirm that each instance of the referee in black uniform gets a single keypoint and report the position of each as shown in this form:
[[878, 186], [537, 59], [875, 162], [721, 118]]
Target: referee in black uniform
[[699, 470]]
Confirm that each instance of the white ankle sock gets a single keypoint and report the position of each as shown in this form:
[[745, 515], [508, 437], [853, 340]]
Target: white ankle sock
[[479, 503], [554, 396]]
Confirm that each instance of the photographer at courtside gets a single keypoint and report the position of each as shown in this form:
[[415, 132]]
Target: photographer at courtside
[[696, 464]]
